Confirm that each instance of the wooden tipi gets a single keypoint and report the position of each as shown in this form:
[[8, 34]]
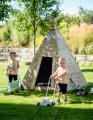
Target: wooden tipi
[[45, 61]]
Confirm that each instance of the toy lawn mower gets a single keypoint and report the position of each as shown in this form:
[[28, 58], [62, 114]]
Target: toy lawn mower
[[79, 91], [46, 101], [15, 85]]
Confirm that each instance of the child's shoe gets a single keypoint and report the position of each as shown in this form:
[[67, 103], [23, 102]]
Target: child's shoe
[[58, 101], [65, 101]]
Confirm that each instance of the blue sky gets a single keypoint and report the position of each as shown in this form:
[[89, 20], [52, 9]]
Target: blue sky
[[71, 6]]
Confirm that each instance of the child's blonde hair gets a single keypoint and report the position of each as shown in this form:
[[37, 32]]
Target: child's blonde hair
[[61, 58]]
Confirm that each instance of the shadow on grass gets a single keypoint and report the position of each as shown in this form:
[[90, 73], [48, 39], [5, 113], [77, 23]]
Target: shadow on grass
[[26, 93], [74, 99], [33, 112], [87, 70]]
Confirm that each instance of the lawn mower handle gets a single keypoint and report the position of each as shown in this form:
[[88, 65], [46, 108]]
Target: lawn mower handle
[[48, 86]]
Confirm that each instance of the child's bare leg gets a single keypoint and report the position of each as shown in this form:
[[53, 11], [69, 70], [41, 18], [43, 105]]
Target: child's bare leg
[[58, 95], [65, 96], [58, 98]]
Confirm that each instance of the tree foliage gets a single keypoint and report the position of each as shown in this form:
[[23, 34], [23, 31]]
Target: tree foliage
[[35, 20], [86, 15], [68, 21], [36, 16], [5, 9], [5, 35]]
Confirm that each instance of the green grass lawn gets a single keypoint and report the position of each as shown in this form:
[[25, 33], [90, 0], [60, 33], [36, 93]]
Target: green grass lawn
[[22, 105]]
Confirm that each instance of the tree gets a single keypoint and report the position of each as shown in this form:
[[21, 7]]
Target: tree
[[70, 20], [7, 34], [23, 26], [86, 15], [39, 13], [5, 9]]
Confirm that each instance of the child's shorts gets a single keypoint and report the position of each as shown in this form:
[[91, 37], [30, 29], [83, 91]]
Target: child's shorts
[[12, 77], [62, 88]]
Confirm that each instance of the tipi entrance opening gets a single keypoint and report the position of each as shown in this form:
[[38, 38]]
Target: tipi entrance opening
[[45, 71]]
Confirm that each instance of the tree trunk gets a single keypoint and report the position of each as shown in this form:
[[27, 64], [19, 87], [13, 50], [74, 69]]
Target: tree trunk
[[34, 40]]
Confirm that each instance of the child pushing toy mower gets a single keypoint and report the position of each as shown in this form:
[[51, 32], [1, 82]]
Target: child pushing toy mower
[[14, 81]]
